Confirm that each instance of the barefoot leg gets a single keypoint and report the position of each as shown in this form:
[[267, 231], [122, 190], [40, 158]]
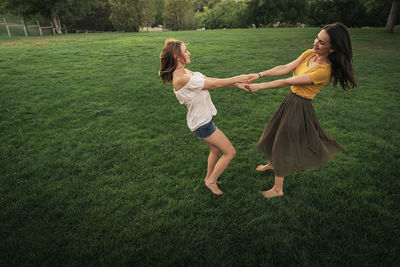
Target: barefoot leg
[[276, 190], [220, 141], [212, 160]]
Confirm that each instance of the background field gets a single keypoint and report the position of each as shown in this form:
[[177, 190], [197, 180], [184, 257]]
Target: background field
[[98, 166]]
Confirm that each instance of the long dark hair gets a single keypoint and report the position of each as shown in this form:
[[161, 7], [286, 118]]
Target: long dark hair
[[342, 58], [169, 59]]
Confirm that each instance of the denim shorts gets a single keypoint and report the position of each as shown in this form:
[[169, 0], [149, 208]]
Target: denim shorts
[[205, 130]]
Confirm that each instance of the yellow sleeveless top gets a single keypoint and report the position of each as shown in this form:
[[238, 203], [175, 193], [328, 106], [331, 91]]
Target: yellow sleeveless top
[[319, 75]]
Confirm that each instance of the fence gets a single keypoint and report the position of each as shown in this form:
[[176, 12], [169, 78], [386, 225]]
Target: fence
[[29, 30]]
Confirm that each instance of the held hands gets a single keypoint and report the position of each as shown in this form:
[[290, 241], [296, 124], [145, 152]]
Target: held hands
[[242, 86], [241, 81], [244, 78], [252, 87], [248, 87], [245, 81], [253, 77]]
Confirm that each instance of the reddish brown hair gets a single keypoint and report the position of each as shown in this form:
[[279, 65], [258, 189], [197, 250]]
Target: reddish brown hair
[[169, 59]]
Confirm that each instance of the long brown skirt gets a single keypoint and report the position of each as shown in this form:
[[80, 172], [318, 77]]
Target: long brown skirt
[[294, 139]]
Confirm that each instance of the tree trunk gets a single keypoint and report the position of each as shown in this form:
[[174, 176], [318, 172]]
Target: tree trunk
[[24, 21], [56, 22], [392, 16], [59, 25], [178, 23]]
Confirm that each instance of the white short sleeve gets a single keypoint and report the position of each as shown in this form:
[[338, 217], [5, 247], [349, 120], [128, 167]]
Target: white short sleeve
[[196, 82], [198, 101]]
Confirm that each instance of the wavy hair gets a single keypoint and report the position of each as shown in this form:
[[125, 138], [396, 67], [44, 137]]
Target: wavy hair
[[169, 59], [342, 57]]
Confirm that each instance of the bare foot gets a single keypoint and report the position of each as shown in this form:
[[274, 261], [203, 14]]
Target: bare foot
[[266, 167], [205, 181], [214, 188], [271, 193]]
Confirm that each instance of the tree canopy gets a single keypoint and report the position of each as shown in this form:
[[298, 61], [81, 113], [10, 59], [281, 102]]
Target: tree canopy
[[130, 15]]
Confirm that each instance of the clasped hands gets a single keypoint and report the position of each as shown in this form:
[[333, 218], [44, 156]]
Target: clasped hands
[[246, 82]]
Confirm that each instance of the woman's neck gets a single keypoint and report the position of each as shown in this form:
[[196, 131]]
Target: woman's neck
[[180, 68], [180, 71], [321, 59]]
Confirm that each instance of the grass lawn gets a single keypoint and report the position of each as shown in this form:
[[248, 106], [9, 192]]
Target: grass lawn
[[98, 167]]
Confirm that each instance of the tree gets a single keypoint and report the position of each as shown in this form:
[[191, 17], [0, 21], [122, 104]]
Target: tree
[[159, 12], [225, 14], [51, 9], [264, 12], [17, 7], [130, 15], [56, 9], [200, 4], [392, 16], [97, 19], [149, 12], [377, 12], [178, 14], [351, 13]]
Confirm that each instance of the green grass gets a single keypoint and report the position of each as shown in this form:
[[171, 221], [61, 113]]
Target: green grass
[[98, 166]]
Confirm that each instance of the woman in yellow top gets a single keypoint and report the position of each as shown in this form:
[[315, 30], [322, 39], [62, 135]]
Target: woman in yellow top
[[294, 139]]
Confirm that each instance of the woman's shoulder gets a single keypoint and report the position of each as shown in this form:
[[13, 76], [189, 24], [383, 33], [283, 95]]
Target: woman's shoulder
[[198, 74], [185, 79], [307, 53], [180, 81]]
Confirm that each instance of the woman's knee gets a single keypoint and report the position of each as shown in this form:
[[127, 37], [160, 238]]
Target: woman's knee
[[231, 152]]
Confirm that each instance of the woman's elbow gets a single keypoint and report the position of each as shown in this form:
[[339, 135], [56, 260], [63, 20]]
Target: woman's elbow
[[285, 82]]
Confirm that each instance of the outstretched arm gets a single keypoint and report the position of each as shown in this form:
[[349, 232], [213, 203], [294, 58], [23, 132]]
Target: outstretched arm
[[213, 83], [295, 80], [276, 71]]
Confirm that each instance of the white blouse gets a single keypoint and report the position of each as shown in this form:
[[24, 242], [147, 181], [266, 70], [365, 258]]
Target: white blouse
[[198, 101]]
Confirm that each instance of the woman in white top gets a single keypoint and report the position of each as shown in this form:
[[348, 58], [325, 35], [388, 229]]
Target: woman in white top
[[191, 89]]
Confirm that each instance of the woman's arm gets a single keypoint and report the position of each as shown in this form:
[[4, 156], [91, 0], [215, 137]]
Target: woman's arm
[[213, 83], [276, 71], [303, 79]]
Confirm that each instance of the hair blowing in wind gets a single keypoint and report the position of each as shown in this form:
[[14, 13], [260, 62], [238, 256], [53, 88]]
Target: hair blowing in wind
[[168, 59]]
